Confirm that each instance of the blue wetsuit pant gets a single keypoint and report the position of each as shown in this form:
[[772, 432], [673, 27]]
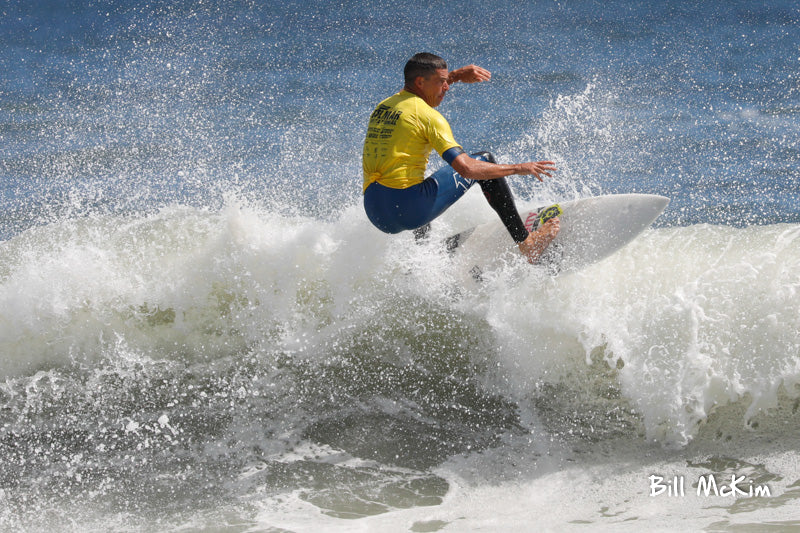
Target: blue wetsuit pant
[[396, 210]]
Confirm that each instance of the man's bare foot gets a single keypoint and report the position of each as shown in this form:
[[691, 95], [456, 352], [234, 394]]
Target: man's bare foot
[[537, 241]]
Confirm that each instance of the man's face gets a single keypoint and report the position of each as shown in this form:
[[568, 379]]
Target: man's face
[[433, 87]]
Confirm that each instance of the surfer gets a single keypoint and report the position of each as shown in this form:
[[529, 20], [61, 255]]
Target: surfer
[[402, 131]]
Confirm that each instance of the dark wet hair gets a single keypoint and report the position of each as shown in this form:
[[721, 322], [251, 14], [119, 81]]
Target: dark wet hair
[[422, 64]]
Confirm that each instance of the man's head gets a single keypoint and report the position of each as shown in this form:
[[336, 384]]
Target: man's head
[[426, 76]]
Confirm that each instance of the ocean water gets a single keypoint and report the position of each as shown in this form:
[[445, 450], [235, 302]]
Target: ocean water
[[200, 330]]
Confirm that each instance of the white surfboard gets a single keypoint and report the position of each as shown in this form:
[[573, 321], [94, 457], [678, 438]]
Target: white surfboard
[[591, 229]]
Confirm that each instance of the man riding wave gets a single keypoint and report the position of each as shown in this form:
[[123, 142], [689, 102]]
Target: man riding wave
[[402, 131]]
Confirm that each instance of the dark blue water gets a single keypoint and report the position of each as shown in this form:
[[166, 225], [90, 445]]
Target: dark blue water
[[193, 330], [127, 107]]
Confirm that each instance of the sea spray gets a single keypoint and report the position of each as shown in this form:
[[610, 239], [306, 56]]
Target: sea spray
[[691, 318]]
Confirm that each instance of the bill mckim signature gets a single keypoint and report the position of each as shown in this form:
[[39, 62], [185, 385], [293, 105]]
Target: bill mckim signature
[[709, 485]]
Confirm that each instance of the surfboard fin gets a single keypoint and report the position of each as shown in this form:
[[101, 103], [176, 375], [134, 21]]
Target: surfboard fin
[[454, 241]]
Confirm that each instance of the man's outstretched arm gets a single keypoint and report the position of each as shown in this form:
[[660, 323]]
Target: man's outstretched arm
[[476, 169]]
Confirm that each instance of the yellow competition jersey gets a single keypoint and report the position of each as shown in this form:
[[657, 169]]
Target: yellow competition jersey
[[401, 133]]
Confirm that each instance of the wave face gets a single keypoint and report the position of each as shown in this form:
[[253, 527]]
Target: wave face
[[192, 356]]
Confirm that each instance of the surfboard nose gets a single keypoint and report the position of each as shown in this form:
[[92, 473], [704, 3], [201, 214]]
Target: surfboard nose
[[651, 206]]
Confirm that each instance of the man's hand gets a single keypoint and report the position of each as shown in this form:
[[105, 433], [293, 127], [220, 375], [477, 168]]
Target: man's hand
[[469, 74], [537, 169]]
